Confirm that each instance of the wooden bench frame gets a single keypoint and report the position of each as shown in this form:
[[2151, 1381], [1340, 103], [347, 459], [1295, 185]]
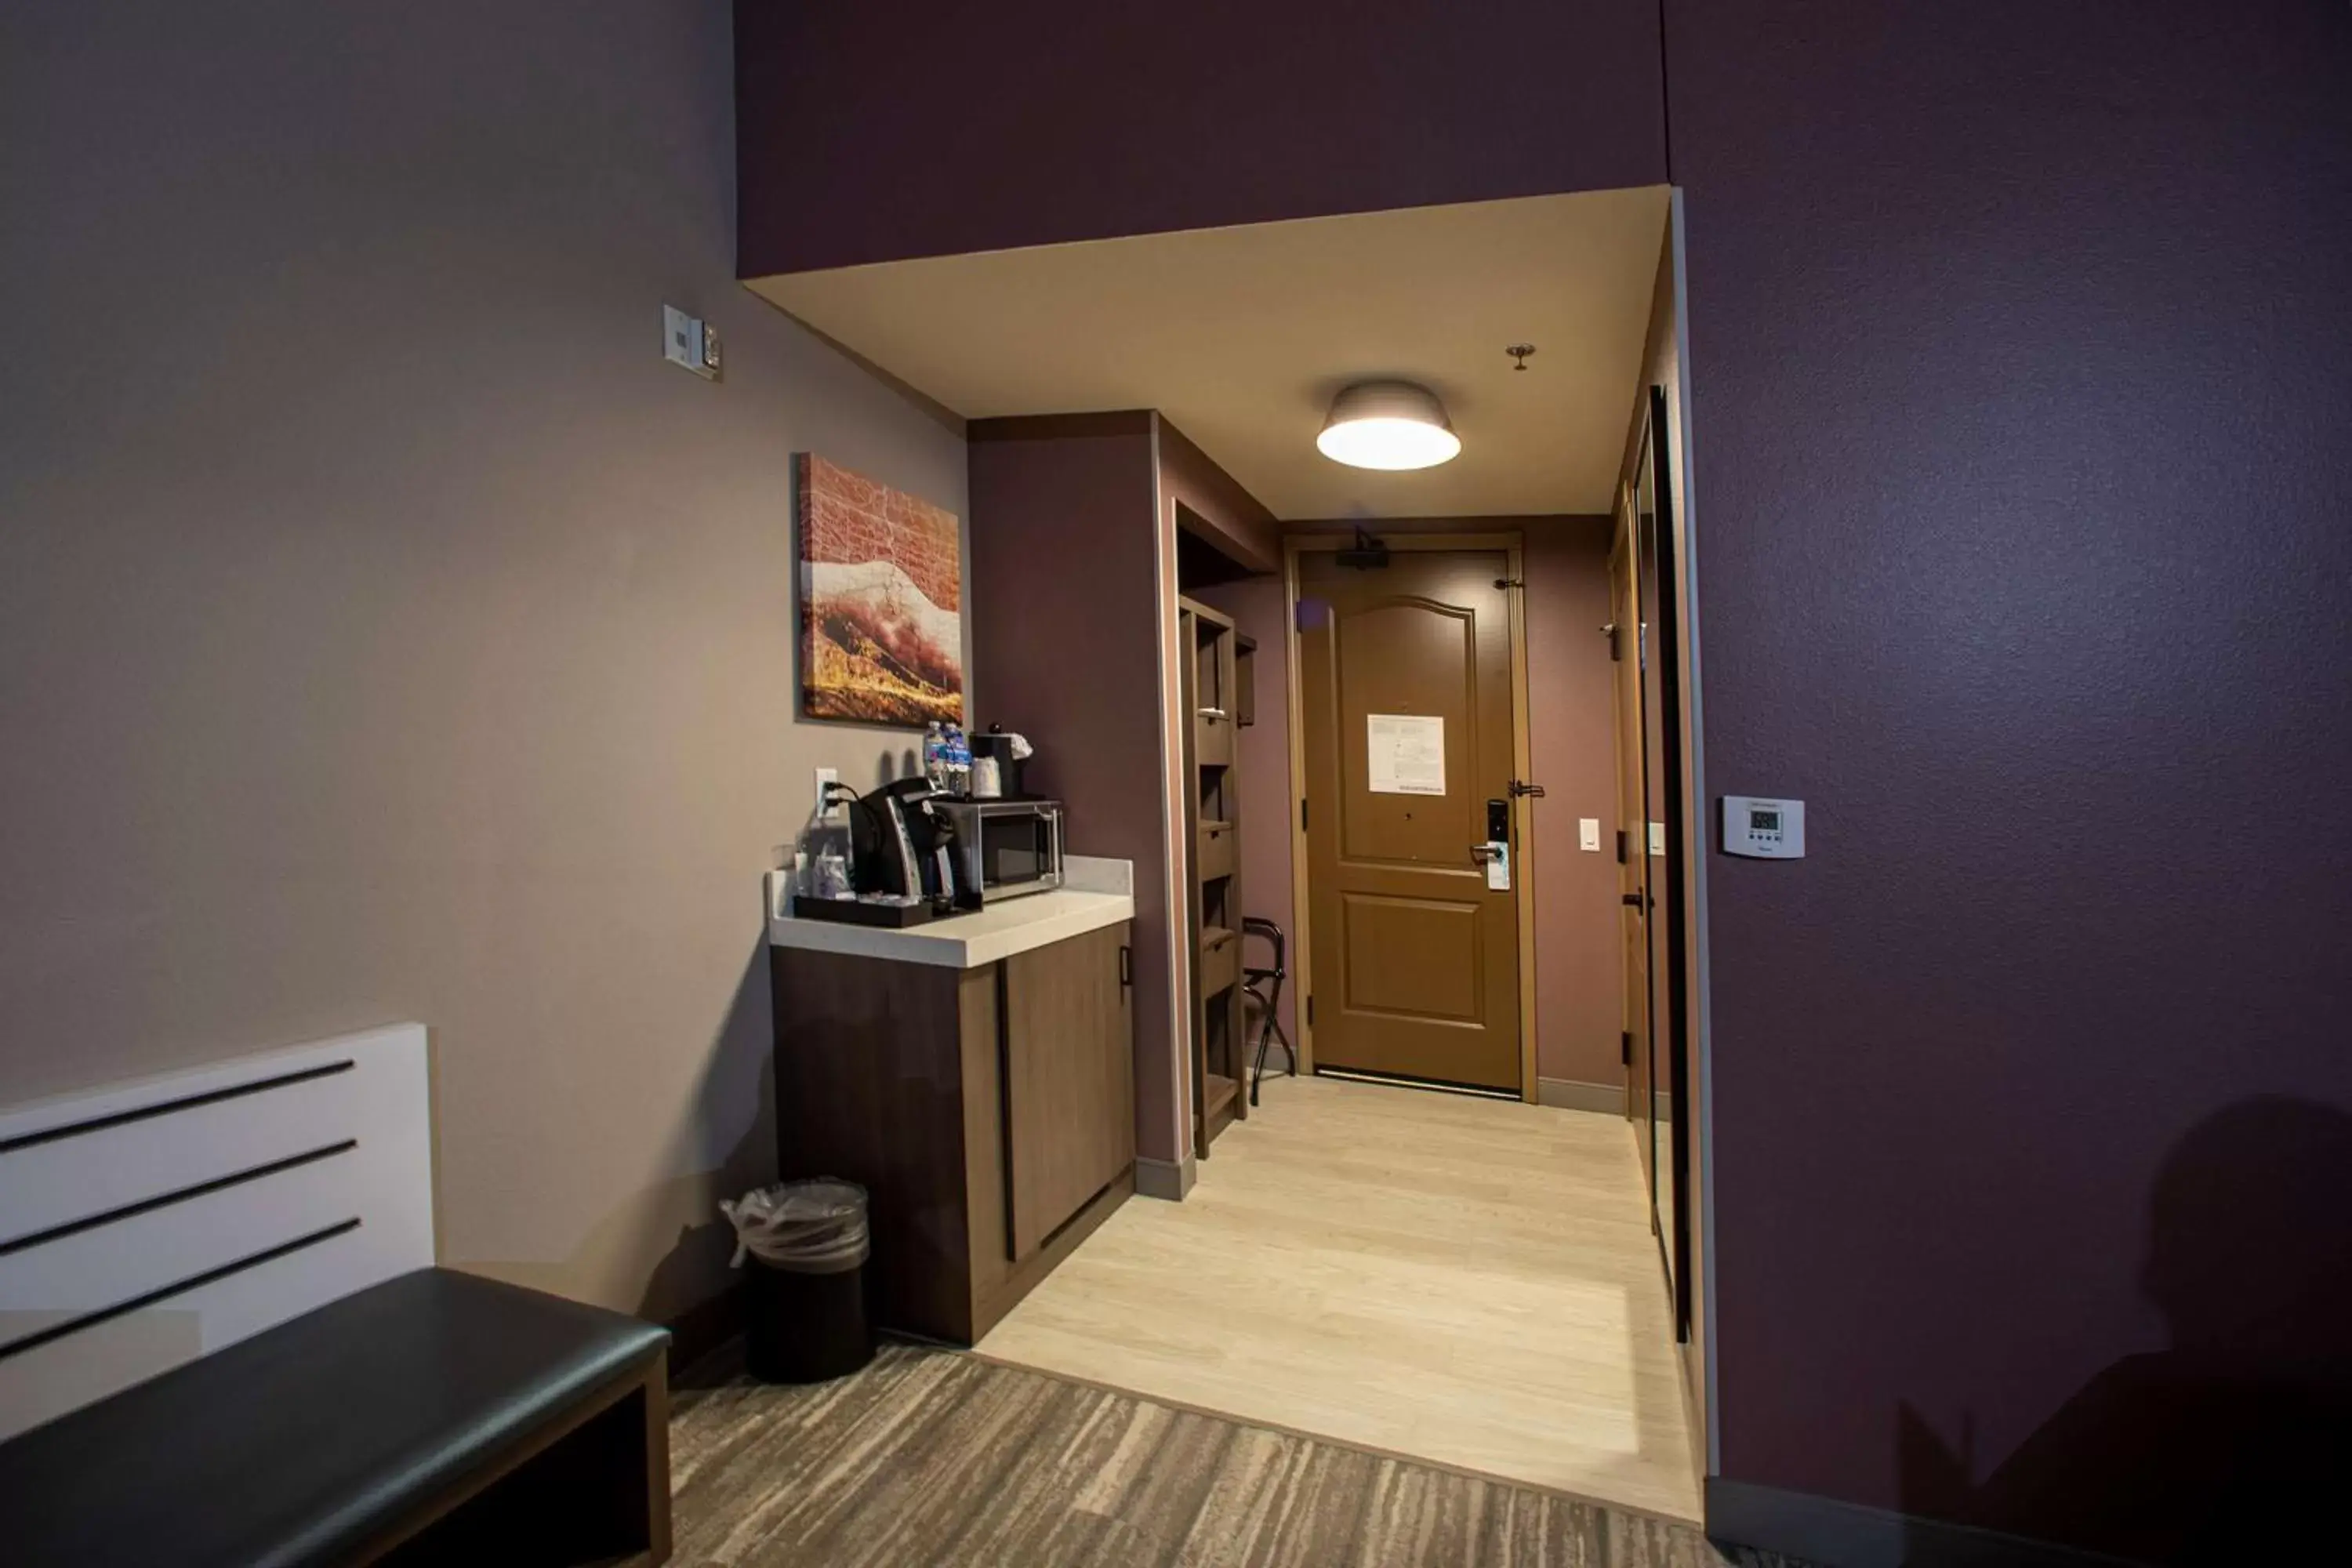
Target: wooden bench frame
[[625, 1462]]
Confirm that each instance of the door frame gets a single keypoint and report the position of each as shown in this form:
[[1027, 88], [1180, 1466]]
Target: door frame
[[1522, 811]]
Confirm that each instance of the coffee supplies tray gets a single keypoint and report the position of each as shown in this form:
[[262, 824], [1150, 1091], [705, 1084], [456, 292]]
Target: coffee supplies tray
[[891, 914]]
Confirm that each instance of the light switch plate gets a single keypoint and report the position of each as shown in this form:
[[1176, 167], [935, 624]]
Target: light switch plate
[[1588, 833], [1657, 838], [1763, 828]]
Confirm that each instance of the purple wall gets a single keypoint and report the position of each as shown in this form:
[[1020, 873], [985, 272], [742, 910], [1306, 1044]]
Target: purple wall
[[2023, 401], [876, 132]]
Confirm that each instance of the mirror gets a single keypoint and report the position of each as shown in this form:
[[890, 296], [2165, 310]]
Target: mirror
[[1666, 1080]]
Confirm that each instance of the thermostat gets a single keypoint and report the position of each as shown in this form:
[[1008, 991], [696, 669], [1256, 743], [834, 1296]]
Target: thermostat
[[1763, 829]]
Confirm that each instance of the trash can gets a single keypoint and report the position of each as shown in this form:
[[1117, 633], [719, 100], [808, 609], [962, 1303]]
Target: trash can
[[806, 1243]]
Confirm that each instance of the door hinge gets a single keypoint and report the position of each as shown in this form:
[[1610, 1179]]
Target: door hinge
[[1310, 1012], [1625, 1046], [1620, 847], [1302, 816], [1609, 631]]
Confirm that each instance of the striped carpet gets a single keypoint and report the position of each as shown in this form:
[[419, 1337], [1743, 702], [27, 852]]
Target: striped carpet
[[930, 1456]]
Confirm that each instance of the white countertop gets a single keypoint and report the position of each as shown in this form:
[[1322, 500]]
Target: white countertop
[[1097, 893]]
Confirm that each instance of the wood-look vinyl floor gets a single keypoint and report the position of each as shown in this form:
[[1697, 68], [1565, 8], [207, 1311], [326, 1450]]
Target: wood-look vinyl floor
[[934, 1457], [1465, 1282]]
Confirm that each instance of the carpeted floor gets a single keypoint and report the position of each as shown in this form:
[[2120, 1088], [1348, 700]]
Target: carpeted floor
[[930, 1456]]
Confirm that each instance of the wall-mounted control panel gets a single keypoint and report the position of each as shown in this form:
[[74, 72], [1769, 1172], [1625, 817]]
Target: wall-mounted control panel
[[690, 341], [1763, 829]]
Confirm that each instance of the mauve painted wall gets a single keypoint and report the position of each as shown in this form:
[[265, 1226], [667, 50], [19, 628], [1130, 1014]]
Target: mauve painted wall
[[2023, 381], [1572, 747], [1063, 589], [385, 630], [875, 132]]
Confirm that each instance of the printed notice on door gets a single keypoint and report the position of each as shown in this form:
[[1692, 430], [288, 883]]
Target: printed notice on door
[[1407, 753]]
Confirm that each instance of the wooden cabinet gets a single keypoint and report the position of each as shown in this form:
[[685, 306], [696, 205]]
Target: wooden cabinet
[[1069, 1089], [988, 1112], [1211, 686]]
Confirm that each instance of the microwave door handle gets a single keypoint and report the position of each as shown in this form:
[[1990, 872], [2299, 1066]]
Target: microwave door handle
[[1059, 873]]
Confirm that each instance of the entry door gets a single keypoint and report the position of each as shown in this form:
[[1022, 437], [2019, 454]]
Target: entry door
[[1406, 714], [1626, 646]]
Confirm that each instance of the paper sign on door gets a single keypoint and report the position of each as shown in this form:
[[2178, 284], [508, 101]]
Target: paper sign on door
[[1406, 754]]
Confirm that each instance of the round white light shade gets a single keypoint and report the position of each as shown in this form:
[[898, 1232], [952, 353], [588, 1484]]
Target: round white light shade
[[1388, 424]]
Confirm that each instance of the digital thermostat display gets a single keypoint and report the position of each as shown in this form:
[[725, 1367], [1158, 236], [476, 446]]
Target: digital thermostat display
[[1763, 829]]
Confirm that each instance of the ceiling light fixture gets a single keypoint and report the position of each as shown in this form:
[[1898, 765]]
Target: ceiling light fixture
[[1388, 424]]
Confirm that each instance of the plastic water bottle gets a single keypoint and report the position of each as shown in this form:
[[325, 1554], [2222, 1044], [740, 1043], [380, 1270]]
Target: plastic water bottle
[[959, 762], [935, 756]]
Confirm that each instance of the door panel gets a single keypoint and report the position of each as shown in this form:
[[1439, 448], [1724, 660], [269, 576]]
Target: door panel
[[1411, 957], [1069, 1081], [1415, 959], [1415, 659]]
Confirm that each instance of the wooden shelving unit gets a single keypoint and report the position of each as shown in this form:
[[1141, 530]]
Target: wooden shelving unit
[[1217, 701]]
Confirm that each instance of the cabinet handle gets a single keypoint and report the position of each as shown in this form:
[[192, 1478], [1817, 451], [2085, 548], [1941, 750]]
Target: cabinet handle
[[1125, 966]]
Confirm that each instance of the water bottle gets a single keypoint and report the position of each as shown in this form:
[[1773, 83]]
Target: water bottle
[[959, 762], [935, 756]]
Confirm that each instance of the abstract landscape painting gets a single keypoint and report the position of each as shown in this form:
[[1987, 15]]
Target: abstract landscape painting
[[881, 601]]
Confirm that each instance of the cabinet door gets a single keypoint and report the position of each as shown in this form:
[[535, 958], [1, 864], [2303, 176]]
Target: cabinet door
[[1069, 1082]]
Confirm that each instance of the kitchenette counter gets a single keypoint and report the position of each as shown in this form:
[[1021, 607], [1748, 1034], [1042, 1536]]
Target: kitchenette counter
[[1097, 893]]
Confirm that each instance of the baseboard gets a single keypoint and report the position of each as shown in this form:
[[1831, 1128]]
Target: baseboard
[[1848, 1535], [1569, 1095], [1168, 1180]]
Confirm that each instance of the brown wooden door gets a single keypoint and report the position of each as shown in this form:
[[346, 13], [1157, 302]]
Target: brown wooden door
[[1415, 959], [1626, 647], [1069, 1057]]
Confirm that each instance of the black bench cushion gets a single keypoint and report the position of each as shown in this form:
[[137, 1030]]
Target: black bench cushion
[[299, 1445]]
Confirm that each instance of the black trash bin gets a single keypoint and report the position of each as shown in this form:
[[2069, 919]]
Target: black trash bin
[[805, 1244]]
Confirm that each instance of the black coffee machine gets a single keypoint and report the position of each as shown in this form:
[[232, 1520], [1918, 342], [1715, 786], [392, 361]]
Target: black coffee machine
[[900, 845]]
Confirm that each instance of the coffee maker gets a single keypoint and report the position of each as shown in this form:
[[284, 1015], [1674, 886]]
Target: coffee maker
[[901, 844]]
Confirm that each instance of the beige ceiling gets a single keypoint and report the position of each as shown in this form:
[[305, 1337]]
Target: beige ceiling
[[1242, 335]]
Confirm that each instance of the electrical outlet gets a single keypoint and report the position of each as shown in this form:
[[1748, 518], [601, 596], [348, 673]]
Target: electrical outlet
[[825, 779]]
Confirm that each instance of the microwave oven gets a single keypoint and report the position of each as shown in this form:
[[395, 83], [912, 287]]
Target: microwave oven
[[1004, 848]]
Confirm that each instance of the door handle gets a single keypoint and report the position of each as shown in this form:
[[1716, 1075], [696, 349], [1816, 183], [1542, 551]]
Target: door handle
[[1631, 900], [1126, 967], [1482, 853]]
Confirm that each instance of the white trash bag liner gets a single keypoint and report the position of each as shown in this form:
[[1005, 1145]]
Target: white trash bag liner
[[805, 1227]]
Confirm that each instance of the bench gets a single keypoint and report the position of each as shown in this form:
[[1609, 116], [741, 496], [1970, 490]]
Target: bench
[[435, 1418]]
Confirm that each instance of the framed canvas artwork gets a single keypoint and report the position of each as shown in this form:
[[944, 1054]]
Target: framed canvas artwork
[[881, 601]]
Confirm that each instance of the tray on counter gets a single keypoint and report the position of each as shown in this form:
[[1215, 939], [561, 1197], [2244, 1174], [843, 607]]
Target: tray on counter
[[863, 912]]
